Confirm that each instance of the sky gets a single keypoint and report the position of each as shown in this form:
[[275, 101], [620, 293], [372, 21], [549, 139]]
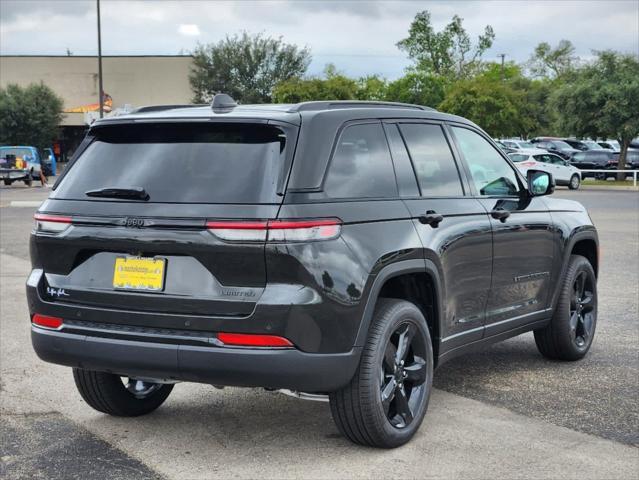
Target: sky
[[359, 37]]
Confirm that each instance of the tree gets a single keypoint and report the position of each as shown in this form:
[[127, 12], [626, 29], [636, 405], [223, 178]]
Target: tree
[[417, 87], [335, 86], [448, 53], [494, 106], [600, 100], [245, 67], [371, 87], [553, 62], [29, 115]]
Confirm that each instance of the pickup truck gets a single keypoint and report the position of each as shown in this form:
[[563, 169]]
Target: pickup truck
[[19, 164]]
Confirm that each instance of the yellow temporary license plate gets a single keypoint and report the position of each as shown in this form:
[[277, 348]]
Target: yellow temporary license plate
[[137, 273]]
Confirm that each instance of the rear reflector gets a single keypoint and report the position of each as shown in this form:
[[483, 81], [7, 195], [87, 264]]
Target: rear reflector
[[251, 340], [46, 321], [276, 230], [51, 223]]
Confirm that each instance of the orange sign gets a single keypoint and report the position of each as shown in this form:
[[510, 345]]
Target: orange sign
[[93, 107]]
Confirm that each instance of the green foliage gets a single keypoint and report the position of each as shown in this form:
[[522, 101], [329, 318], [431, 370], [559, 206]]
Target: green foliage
[[371, 87], [29, 115], [551, 62], [418, 88], [246, 67], [335, 86], [601, 100], [494, 106], [448, 53]]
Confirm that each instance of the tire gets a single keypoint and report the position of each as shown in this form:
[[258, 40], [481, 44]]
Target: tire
[[6, 182], [28, 181], [106, 393], [574, 182], [571, 330], [358, 410]]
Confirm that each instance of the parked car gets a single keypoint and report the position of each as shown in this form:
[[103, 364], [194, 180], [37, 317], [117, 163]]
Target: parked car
[[610, 145], [594, 160], [558, 147], [342, 249], [562, 171], [583, 145], [516, 144], [505, 148], [632, 162], [19, 164]]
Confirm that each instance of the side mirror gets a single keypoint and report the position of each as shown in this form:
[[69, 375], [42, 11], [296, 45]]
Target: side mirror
[[540, 183]]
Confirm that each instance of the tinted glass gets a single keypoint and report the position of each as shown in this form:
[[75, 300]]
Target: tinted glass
[[432, 159], [560, 145], [361, 166], [182, 163], [517, 157], [490, 172], [555, 160], [578, 157]]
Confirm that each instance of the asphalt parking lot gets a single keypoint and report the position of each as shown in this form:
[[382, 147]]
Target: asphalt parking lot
[[502, 413]]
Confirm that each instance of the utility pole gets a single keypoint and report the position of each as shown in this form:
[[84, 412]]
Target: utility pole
[[100, 88], [502, 55]]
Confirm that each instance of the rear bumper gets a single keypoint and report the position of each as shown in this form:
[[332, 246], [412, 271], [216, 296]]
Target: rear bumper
[[245, 367], [9, 174]]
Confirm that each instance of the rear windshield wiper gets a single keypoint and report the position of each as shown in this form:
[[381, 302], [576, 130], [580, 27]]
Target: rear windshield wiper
[[134, 193]]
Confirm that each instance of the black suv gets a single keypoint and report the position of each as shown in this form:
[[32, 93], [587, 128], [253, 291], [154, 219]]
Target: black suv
[[340, 249], [595, 160], [556, 146]]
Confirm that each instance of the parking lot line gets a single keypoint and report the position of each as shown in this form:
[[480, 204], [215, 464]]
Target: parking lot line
[[25, 203]]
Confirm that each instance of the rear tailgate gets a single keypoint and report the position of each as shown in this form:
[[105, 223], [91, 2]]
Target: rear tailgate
[[192, 174]]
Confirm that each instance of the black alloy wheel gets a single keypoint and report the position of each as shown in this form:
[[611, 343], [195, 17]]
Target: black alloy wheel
[[582, 309], [387, 398], [403, 373], [571, 330]]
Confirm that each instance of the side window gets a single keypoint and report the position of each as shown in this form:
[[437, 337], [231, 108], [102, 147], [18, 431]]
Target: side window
[[361, 165], [432, 159], [490, 172], [555, 160], [578, 157]]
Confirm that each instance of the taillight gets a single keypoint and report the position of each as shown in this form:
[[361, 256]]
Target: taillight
[[46, 321], [276, 230], [528, 164], [51, 223], [253, 340]]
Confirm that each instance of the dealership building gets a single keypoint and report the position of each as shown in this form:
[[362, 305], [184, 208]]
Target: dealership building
[[128, 82]]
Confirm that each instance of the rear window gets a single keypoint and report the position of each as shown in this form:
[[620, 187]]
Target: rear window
[[182, 163], [6, 153]]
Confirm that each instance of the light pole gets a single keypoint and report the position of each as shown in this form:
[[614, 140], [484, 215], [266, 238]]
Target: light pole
[[502, 55], [100, 92]]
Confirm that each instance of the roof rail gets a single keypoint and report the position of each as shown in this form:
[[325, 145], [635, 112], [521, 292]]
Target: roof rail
[[159, 108], [336, 104]]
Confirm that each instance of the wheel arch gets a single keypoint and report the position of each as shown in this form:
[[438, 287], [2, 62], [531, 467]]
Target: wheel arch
[[584, 243], [417, 281]]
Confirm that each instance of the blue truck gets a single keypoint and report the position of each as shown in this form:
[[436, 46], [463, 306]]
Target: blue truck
[[24, 163]]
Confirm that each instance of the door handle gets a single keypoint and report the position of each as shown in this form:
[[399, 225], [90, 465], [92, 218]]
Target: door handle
[[500, 214], [432, 218]]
